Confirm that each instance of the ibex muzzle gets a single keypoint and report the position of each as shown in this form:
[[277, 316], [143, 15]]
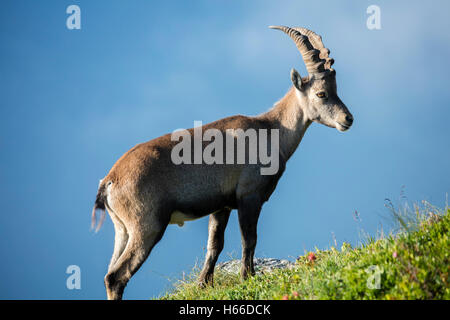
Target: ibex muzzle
[[145, 190]]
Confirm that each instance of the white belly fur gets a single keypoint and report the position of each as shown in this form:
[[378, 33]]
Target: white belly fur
[[179, 218]]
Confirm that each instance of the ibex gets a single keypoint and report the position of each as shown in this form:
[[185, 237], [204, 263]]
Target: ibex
[[145, 191]]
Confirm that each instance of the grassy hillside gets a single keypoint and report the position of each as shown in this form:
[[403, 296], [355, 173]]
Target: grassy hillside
[[412, 264]]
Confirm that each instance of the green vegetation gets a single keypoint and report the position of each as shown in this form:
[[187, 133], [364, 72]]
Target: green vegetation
[[411, 264]]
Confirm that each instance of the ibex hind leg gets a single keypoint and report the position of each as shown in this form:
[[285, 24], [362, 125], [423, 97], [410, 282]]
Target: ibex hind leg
[[216, 229], [120, 238], [144, 234]]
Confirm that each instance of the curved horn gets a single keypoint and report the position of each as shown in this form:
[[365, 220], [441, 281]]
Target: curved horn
[[317, 43], [310, 55]]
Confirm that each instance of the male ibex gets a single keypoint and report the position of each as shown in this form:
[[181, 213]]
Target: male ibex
[[145, 191]]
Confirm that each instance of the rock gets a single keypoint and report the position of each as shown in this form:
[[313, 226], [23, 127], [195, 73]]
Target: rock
[[261, 265]]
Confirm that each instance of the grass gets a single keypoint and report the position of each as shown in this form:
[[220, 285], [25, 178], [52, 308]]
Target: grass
[[413, 263]]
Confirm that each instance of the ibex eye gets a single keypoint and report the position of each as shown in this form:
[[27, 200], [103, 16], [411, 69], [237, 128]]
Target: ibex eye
[[321, 95]]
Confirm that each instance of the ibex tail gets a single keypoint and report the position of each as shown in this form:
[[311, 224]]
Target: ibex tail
[[99, 205]]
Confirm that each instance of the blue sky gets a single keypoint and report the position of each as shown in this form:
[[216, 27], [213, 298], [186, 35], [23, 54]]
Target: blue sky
[[73, 101]]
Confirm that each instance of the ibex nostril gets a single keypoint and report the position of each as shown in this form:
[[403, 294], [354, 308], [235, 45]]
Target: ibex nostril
[[349, 119]]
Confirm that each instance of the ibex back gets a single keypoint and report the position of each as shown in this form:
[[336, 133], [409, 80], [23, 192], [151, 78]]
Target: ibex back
[[145, 190]]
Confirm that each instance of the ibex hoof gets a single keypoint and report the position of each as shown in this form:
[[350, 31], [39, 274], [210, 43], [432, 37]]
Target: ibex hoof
[[204, 282]]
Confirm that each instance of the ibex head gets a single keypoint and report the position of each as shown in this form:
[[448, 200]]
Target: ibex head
[[317, 93]]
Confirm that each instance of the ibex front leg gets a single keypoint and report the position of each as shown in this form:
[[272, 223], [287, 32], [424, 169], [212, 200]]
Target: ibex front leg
[[248, 213], [216, 228]]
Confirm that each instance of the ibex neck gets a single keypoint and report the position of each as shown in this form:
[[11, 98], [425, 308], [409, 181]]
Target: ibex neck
[[287, 115]]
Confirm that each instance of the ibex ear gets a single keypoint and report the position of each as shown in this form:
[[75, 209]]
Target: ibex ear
[[296, 79]]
